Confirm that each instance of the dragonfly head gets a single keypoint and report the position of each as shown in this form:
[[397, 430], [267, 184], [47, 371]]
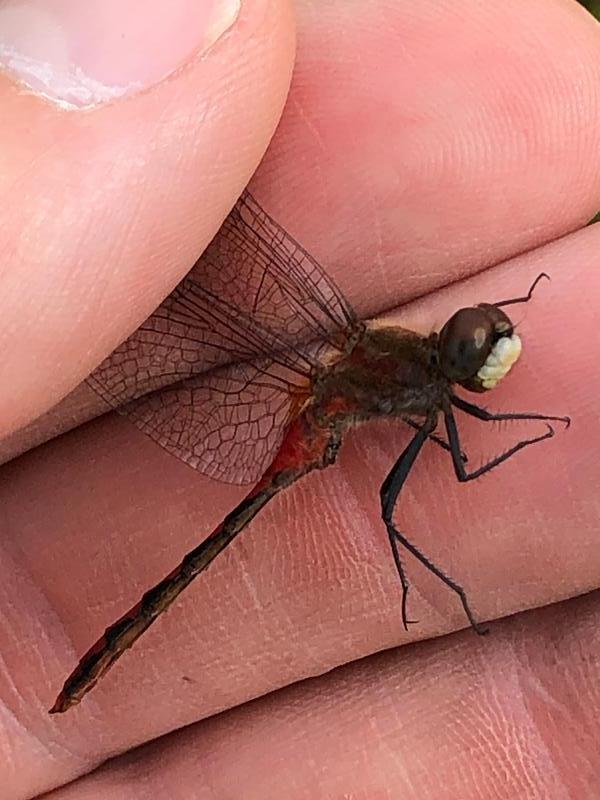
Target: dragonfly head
[[477, 347]]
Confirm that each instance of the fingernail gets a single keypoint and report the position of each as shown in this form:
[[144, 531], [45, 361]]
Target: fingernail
[[80, 53]]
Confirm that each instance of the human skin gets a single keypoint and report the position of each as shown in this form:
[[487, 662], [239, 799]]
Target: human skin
[[420, 144]]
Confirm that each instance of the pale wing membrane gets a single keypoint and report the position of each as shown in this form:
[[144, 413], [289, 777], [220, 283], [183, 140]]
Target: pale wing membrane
[[283, 286], [226, 424], [254, 298]]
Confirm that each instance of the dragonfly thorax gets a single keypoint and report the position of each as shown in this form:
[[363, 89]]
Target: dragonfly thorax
[[390, 372]]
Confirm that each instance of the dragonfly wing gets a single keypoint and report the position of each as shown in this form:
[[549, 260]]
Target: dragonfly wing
[[253, 293], [227, 424], [276, 279]]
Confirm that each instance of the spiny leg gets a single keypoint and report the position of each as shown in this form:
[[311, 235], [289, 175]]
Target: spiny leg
[[489, 416], [459, 468], [446, 579], [389, 493], [433, 438], [403, 579]]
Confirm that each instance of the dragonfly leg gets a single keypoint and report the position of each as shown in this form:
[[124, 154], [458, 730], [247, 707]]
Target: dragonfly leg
[[453, 437], [489, 416], [390, 490], [401, 574], [441, 442]]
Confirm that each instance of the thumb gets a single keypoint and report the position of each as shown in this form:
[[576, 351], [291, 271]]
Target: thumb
[[128, 130]]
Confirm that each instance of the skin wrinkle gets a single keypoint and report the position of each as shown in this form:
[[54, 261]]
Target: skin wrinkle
[[498, 764], [10, 721], [315, 662], [578, 684], [357, 529], [334, 508], [408, 786], [510, 757], [15, 574], [277, 639], [297, 106], [29, 169], [377, 252], [547, 772], [248, 582]]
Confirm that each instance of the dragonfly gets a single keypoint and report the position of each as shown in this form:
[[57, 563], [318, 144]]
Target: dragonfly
[[255, 367]]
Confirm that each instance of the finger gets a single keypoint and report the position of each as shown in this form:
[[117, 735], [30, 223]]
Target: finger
[[465, 133], [448, 152], [106, 208], [99, 515], [455, 718]]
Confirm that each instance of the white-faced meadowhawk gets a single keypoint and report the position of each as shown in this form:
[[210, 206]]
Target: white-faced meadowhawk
[[252, 370]]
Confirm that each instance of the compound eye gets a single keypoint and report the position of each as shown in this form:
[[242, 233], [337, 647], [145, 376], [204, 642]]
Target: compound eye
[[465, 342]]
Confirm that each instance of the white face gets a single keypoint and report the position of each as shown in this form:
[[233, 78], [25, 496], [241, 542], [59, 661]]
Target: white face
[[501, 358]]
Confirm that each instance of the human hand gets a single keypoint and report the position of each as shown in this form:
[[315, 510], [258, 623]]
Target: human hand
[[414, 150]]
